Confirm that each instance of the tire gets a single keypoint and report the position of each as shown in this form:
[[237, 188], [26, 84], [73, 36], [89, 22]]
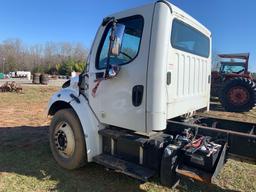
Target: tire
[[238, 95], [67, 140]]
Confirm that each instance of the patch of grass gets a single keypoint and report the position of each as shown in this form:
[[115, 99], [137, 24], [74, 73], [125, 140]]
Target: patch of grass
[[29, 95], [238, 176], [28, 108], [26, 163], [32, 168]]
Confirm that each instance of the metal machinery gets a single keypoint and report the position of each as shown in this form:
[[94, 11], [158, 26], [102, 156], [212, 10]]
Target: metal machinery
[[234, 84]]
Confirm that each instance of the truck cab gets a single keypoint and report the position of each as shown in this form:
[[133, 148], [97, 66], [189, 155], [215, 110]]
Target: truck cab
[[165, 62], [147, 67]]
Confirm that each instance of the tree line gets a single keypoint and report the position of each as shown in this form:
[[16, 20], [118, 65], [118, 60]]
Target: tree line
[[51, 57]]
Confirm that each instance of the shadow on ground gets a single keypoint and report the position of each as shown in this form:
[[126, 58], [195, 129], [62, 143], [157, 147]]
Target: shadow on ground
[[24, 151]]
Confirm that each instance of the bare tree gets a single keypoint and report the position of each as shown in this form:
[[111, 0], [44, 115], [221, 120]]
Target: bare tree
[[39, 57]]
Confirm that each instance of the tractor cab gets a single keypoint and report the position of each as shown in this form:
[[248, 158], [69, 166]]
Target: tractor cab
[[231, 66], [234, 63]]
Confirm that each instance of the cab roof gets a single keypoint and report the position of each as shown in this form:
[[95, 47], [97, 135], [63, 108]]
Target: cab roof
[[180, 13], [177, 12]]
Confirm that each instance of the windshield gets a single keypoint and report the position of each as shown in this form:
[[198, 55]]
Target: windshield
[[130, 44], [232, 67]]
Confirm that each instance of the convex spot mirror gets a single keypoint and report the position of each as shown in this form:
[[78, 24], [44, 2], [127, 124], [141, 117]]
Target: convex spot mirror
[[113, 71], [117, 39]]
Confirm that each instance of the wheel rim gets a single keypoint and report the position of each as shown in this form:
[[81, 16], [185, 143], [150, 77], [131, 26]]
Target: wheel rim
[[64, 139], [238, 95]]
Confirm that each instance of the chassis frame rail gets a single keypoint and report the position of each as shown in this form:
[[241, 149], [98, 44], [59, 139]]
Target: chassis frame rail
[[240, 136]]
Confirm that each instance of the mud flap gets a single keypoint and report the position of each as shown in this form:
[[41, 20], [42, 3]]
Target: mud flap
[[168, 175]]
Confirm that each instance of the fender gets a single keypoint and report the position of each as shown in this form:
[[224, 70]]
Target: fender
[[88, 120]]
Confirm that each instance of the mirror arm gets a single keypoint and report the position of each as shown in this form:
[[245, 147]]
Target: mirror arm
[[111, 41]]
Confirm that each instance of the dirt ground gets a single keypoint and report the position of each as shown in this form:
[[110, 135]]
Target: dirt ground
[[218, 111], [25, 109], [26, 163]]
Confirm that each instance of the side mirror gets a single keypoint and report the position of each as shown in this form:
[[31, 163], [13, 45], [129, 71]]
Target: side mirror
[[117, 38], [113, 71]]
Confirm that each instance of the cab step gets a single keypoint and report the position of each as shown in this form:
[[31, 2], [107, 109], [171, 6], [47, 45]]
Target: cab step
[[122, 166]]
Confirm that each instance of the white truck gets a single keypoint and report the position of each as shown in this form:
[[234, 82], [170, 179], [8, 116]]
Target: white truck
[[133, 108]]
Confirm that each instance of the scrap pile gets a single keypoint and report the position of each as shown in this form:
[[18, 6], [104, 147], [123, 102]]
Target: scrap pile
[[199, 151], [11, 87]]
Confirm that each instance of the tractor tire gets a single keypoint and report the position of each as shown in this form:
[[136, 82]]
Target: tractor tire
[[67, 140], [238, 95]]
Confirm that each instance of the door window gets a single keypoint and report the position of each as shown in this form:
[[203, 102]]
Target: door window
[[130, 45]]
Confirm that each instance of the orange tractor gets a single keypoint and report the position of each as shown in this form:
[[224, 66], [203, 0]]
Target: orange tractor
[[234, 84]]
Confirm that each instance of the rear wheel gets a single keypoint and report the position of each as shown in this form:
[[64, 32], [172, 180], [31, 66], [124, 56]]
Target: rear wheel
[[238, 95], [67, 140]]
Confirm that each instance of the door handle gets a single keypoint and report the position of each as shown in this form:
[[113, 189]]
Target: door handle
[[137, 95]]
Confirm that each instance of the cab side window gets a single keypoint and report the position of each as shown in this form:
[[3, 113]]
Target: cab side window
[[186, 38], [130, 45]]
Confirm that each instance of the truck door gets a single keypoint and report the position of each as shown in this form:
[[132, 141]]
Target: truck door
[[121, 101]]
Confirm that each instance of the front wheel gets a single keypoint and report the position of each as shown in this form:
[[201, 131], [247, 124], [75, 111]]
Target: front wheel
[[67, 140]]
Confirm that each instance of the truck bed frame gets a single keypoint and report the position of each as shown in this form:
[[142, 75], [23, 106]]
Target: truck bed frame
[[141, 156]]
